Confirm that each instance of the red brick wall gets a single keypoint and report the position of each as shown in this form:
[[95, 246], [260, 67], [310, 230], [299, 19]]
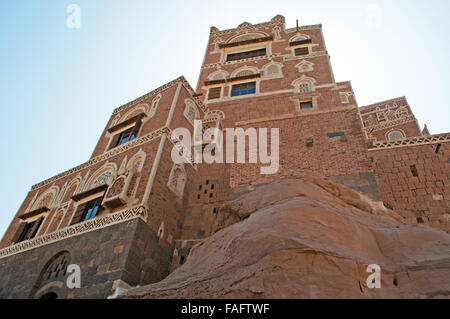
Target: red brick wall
[[426, 196]]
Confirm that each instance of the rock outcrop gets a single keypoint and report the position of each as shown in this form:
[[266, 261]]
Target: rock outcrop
[[306, 237]]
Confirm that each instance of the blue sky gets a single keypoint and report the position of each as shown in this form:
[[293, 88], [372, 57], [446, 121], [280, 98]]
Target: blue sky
[[60, 85]]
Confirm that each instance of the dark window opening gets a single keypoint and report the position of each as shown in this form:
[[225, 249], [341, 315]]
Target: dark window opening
[[214, 93], [246, 55], [206, 191], [200, 188], [306, 105], [92, 209], [414, 170], [30, 230], [49, 295], [210, 195], [126, 136], [420, 220], [198, 196], [301, 51], [207, 182], [395, 282], [243, 89], [182, 260], [299, 42], [438, 148], [215, 211], [212, 186], [87, 211]]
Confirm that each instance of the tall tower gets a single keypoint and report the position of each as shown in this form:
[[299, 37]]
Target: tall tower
[[267, 76], [117, 216]]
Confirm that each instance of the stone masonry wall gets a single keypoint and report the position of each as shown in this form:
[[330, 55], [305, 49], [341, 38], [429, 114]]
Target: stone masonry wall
[[421, 198]]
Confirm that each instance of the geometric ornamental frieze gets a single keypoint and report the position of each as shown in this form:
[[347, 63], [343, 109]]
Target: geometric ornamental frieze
[[76, 230], [414, 141]]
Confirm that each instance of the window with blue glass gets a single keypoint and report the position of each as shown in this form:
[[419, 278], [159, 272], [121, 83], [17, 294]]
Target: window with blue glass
[[92, 209], [243, 89], [306, 105], [125, 136]]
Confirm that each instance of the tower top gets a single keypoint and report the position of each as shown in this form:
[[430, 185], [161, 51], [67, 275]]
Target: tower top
[[276, 20]]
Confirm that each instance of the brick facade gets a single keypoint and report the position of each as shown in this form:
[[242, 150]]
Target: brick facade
[[376, 150]]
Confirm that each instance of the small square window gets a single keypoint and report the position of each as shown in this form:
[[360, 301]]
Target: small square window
[[214, 93], [344, 99], [306, 105], [301, 51]]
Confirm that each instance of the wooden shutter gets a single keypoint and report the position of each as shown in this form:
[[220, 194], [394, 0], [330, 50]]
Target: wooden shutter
[[214, 93], [114, 141], [78, 214], [301, 51], [34, 230], [19, 232], [305, 41], [137, 127]]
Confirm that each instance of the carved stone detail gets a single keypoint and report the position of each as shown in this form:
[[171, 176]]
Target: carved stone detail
[[76, 230]]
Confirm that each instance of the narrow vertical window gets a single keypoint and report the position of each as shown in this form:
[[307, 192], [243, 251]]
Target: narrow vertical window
[[414, 170]]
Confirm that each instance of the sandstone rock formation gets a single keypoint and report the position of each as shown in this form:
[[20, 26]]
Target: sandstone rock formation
[[306, 237]]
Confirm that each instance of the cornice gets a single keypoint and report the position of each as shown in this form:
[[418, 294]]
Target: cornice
[[408, 142]]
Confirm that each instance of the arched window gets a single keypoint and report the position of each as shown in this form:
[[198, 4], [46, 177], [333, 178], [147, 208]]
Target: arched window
[[103, 179], [52, 275], [45, 201], [395, 135], [300, 37], [218, 75], [304, 87], [305, 66], [190, 111], [154, 105], [272, 70], [244, 73], [177, 180], [247, 36]]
